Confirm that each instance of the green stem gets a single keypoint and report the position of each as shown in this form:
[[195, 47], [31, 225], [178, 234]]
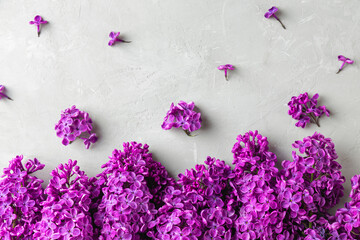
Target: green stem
[[316, 120], [189, 133], [310, 223]]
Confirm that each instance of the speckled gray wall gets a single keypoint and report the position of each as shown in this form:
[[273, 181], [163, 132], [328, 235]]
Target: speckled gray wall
[[176, 47]]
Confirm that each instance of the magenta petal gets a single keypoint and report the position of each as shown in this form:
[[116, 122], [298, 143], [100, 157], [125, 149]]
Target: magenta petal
[[111, 42], [71, 137], [273, 10], [341, 58], [93, 139], [229, 66], [348, 227], [37, 18], [294, 207], [297, 197], [65, 141], [76, 232]]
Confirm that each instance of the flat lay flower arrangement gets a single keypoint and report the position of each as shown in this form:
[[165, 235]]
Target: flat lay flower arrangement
[[135, 198]]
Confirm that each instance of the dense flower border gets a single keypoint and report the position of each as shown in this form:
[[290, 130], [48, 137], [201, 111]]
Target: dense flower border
[[135, 198]]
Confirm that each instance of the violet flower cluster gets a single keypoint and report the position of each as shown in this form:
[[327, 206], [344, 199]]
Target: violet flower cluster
[[75, 124], [133, 188], [255, 201], [199, 207], [305, 109], [346, 224], [182, 116], [134, 198], [310, 185], [65, 213], [20, 198]]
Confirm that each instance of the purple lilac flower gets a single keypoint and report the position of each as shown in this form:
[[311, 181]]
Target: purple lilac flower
[[305, 110], [182, 116], [38, 21], [2, 94], [315, 178], [271, 13], [347, 219], [201, 208], [226, 68], [20, 198], [75, 123], [253, 188], [135, 198], [114, 37], [65, 213], [344, 60], [133, 188]]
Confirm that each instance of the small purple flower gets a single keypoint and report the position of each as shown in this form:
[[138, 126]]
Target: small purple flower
[[2, 94], [38, 21], [226, 68], [344, 60], [291, 200], [271, 13], [114, 38], [92, 139]]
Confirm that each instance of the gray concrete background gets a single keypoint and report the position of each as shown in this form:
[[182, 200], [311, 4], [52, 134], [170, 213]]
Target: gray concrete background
[[176, 47]]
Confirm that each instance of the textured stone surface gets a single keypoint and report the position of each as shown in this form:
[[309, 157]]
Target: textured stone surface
[[176, 48]]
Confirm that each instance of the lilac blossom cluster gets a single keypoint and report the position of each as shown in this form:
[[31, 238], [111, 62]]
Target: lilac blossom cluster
[[132, 188], [134, 197], [310, 185], [65, 213], [20, 198], [75, 123], [201, 207], [255, 196], [305, 109], [346, 224], [182, 116]]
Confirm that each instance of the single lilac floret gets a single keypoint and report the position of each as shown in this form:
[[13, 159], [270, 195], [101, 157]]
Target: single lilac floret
[[38, 21], [2, 94], [114, 37], [271, 13], [344, 60], [226, 68]]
